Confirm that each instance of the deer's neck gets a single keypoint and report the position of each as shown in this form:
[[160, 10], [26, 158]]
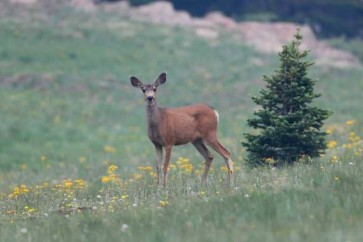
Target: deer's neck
[[154, 115]]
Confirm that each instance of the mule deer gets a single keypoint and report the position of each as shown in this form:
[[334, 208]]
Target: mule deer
[[177, 126]]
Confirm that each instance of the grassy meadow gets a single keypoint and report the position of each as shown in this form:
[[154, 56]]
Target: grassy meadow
[[76, 163]]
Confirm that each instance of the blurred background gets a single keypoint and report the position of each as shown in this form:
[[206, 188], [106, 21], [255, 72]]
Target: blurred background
[[335, 18]]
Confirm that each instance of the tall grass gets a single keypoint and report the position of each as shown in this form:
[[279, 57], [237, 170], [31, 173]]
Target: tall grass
[[318, 201]]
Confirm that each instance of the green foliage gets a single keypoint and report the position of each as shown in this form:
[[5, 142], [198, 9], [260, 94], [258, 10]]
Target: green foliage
[[290, 126], [354, 46]]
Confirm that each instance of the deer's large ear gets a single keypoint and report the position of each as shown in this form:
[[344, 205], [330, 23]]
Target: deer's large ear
[[161, 79], [135, 82]]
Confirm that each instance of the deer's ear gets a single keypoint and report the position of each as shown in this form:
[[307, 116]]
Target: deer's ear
[[161, 79], [135, 82]]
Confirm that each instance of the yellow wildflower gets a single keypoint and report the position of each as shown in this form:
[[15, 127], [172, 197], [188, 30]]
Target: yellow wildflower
[[29, 210], [182, 161], [332, 144], [111, 177], [136, 176], [163, 203], [79, 183], [186, 168], [67, 184], [224, 169], [23, 189], [201, 193], [270, 161], [172, 166], [16, 191], [105, 179], [334, 159], [112, 169], [329, 130], [153, 174], [237, 168], [145, 168], [198, 172], [57, 119], [353, 137], [82, 159], [350, 122], [109, 149]]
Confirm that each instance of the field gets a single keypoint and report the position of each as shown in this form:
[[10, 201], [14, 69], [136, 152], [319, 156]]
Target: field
[[76, 163]]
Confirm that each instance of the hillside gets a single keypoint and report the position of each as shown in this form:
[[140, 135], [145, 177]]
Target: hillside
[[263, 36], [69, 116]]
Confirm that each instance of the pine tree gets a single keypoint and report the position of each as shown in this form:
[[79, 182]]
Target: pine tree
[[289, 126]]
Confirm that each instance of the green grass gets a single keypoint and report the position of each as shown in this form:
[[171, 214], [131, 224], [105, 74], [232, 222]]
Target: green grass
[[352, 45], [65, 97]]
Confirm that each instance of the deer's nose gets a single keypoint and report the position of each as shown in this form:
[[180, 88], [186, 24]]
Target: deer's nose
[[150, 98]]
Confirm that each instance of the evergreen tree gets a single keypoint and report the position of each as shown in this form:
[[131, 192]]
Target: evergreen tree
[[289, 126]]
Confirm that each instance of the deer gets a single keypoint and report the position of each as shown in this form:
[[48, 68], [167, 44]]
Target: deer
[[168, 127]]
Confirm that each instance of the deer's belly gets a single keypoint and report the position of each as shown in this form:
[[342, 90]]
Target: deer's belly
[[181, 142], [184, 137]]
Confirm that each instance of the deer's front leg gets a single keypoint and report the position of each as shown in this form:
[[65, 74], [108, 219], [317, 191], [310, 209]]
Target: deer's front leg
[[166, 163], [159, 161]]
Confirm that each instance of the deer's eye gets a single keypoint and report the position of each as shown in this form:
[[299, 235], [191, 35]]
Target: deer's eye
[[154, 89], [143, 90]]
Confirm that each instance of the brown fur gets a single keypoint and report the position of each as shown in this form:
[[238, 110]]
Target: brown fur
[[178, 126]]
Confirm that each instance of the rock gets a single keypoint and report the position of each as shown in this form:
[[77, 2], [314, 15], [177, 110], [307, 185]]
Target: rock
[[207, 33], [24, 2], [270, 37], [120, 7], [219, 19], [163, 12], [86, 5]]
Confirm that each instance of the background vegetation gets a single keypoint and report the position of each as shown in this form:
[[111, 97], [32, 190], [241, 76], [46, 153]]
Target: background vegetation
[[76, 163], [333, 18]]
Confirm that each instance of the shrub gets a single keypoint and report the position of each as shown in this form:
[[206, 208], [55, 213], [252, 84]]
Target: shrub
[[289, 126]]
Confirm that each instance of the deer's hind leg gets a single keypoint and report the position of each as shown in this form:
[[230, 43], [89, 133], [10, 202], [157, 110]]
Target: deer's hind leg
[[214, 143], [203, 150]]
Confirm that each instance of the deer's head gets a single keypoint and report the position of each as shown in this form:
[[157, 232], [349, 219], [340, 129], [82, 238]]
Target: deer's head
[[149, 90]]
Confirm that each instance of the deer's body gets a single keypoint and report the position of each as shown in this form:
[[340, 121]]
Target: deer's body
[[196, 124], [179, 126]]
